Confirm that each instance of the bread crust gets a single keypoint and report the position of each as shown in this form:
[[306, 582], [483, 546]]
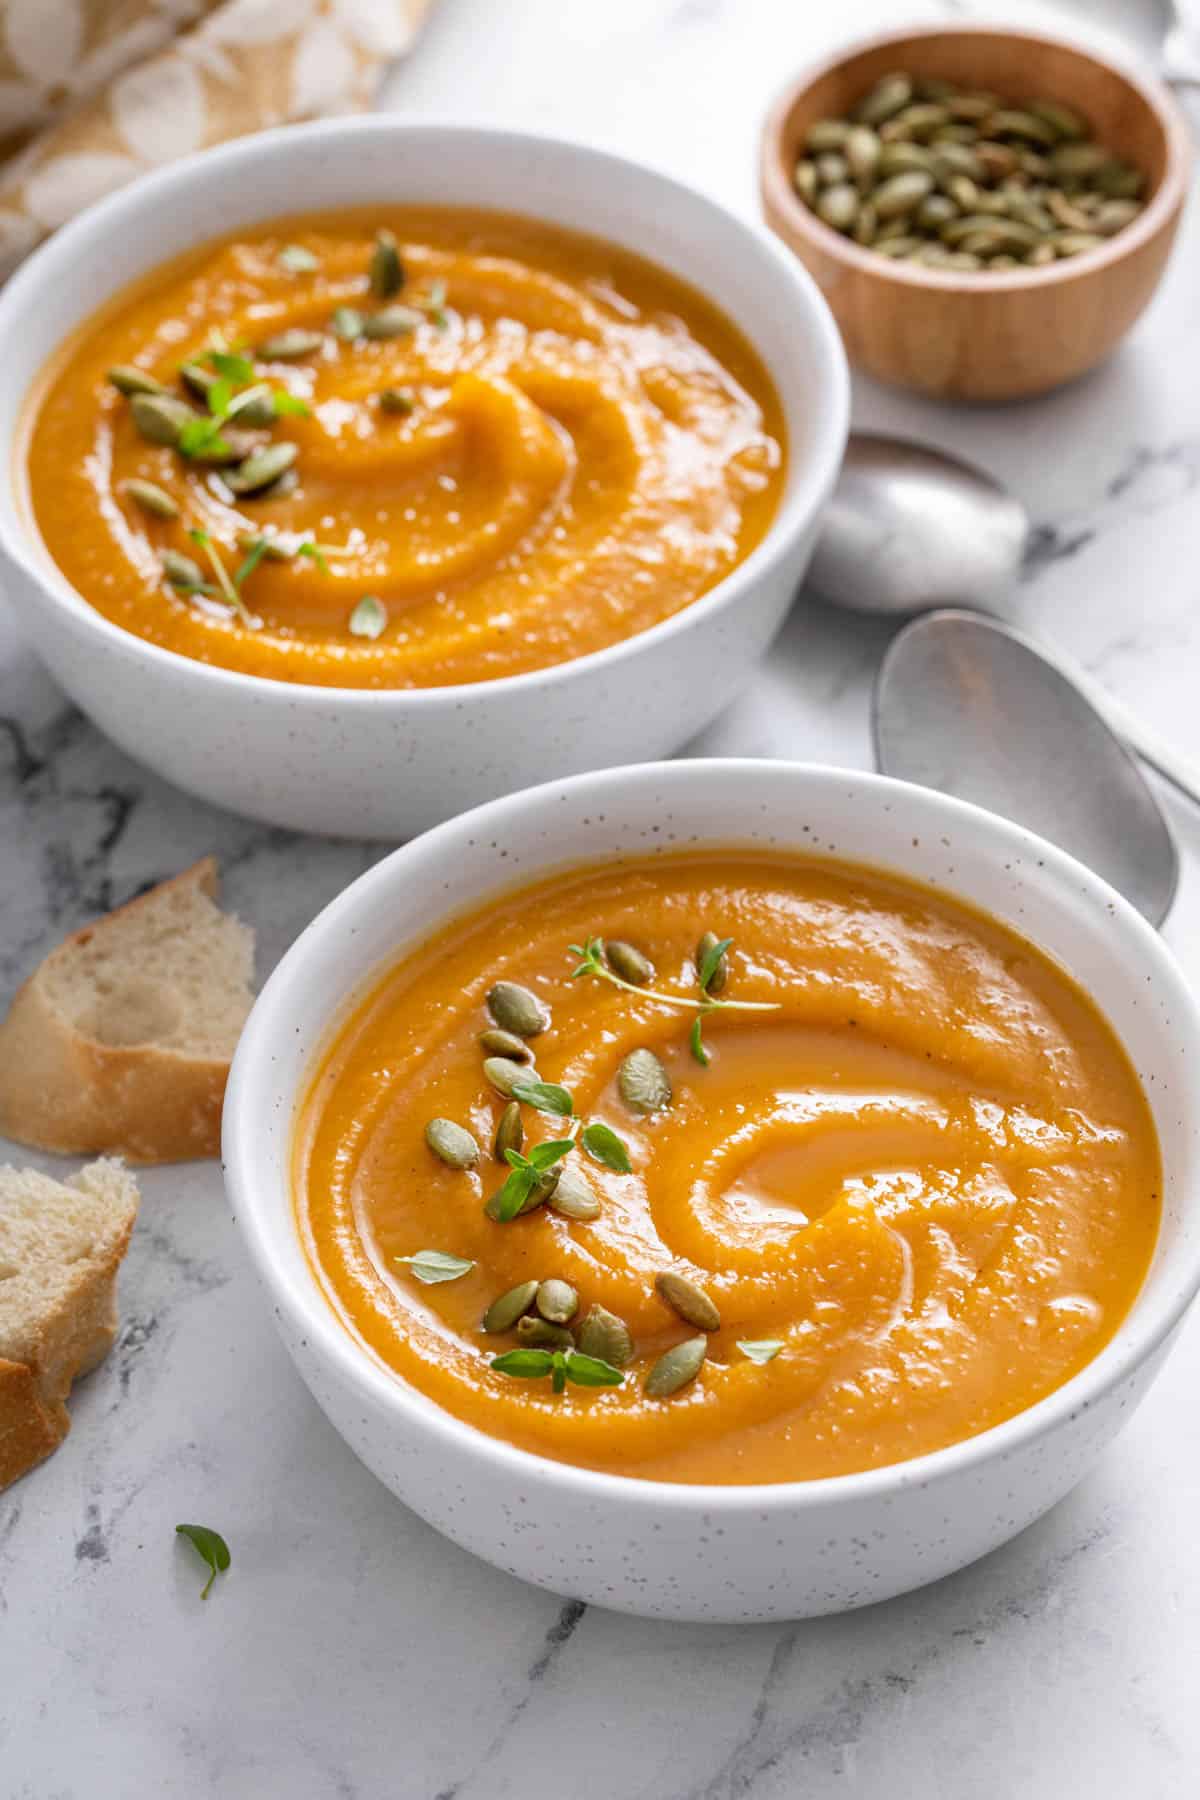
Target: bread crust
[[63, 1091], [70, 1340]]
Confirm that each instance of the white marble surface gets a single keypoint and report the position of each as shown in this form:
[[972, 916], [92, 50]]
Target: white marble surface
[[351, 1651]]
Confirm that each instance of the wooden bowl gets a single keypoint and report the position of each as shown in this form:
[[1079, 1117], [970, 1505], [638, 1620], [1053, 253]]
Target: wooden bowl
[[985, 336]]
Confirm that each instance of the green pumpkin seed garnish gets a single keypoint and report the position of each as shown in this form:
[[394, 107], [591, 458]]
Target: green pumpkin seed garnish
[[160, 417], [510, 1132], [347, 323], [181, 571], [505, 1043], [604, 1335], [198, 379], [129, 381], [530, 1194], [711, 970], [689, 1300], [628, 962], [543, 1334], [297, 260], [262, 468], [293, 345], [515, 1009], [455, 1145], [385, 271], [369, 618], [557, 1301], [390, 322], [504, 1074], [399, 401], [889, 96], [503, 1313], [643, 1083], [676, 1367], [573, 1198], [152, 499]]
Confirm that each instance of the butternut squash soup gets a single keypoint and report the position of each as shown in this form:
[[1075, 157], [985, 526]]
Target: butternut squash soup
[[728, 1168], [400, 451]]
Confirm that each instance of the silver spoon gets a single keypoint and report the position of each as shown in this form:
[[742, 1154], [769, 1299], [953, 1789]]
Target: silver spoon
[[909, 528], [968, 705]]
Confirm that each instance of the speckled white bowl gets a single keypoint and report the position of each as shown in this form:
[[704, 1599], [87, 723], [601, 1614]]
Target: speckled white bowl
[[721, 1553], [387, 764]]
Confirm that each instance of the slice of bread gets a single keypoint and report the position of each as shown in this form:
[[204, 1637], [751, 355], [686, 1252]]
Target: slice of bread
[[121, 1040], [61, 1244]]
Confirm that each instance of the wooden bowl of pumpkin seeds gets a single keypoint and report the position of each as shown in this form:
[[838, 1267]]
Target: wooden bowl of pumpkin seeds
[[986, 211]]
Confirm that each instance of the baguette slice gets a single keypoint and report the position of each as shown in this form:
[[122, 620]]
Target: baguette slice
[[61, 1245], [121, 1039]]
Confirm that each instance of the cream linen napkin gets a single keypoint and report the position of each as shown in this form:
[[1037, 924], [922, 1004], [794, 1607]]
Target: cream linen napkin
[[94, 92]]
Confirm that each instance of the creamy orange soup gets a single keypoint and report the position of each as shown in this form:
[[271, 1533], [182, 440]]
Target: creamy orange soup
[[557, 446], [927, 1181]]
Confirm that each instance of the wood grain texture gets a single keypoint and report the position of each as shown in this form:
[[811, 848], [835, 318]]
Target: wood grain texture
[[985, 336]]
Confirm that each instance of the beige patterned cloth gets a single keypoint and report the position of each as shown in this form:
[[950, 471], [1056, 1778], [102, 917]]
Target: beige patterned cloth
[[94, 92]]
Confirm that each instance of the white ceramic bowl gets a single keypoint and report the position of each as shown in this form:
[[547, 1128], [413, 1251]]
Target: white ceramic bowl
[[722, 1553], [387, 764]]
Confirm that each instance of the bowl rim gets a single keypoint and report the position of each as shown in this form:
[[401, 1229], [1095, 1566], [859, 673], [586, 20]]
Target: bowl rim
[[1165, 203], [310, 1311], [815, 462]]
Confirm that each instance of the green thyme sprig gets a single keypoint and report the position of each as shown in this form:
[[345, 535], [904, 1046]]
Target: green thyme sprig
[[527, 1173], [711, 967], [561, 1366]]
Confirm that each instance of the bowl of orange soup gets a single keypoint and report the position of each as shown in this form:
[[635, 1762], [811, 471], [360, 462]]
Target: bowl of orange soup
[[724, 1190], [366, 470]]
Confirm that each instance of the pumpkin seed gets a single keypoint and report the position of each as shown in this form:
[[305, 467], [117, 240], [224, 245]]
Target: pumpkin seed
[[129, 381], [826, 134], [996, 160], [547, 1181], [604, 1335], [628, 962], [256, 408], [1114, 215], [557, 1301], [838, 206], [643, 1083], [1040, 256], [1074, 243], [398, 401], [923, 118], [963, 191], [1011, 121], [161, 417], [391, 322], [197, 378], [901, 159], [689, 1300], [504, 1312], [720, 974], [832, 169], [515, 1009], [901, 193], [292, 345], [862, 153], [804, 179], [455, 1145], [180, 570], [1079, 159], [972, 108], [1064, 213], [152, 499], [1119, 182], [505, 1043], [890, 95], [1062, 121], [510, 1132], [676, 1367], [386, 271], [347, 323], [540, 1334], [504, 1074], [866, 226], [957, 159], [573, 1198], [261, 468], [901, 246], [934, 211]]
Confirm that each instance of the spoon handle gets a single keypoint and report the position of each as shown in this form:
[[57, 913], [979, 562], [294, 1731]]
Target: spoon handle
[[1179, 770]]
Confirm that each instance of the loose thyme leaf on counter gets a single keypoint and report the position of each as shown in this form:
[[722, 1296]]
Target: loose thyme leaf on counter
[[211, 1546], [434, 1266]]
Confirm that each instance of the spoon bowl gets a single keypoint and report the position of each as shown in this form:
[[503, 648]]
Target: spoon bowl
[[910, 527], [967, 705]]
